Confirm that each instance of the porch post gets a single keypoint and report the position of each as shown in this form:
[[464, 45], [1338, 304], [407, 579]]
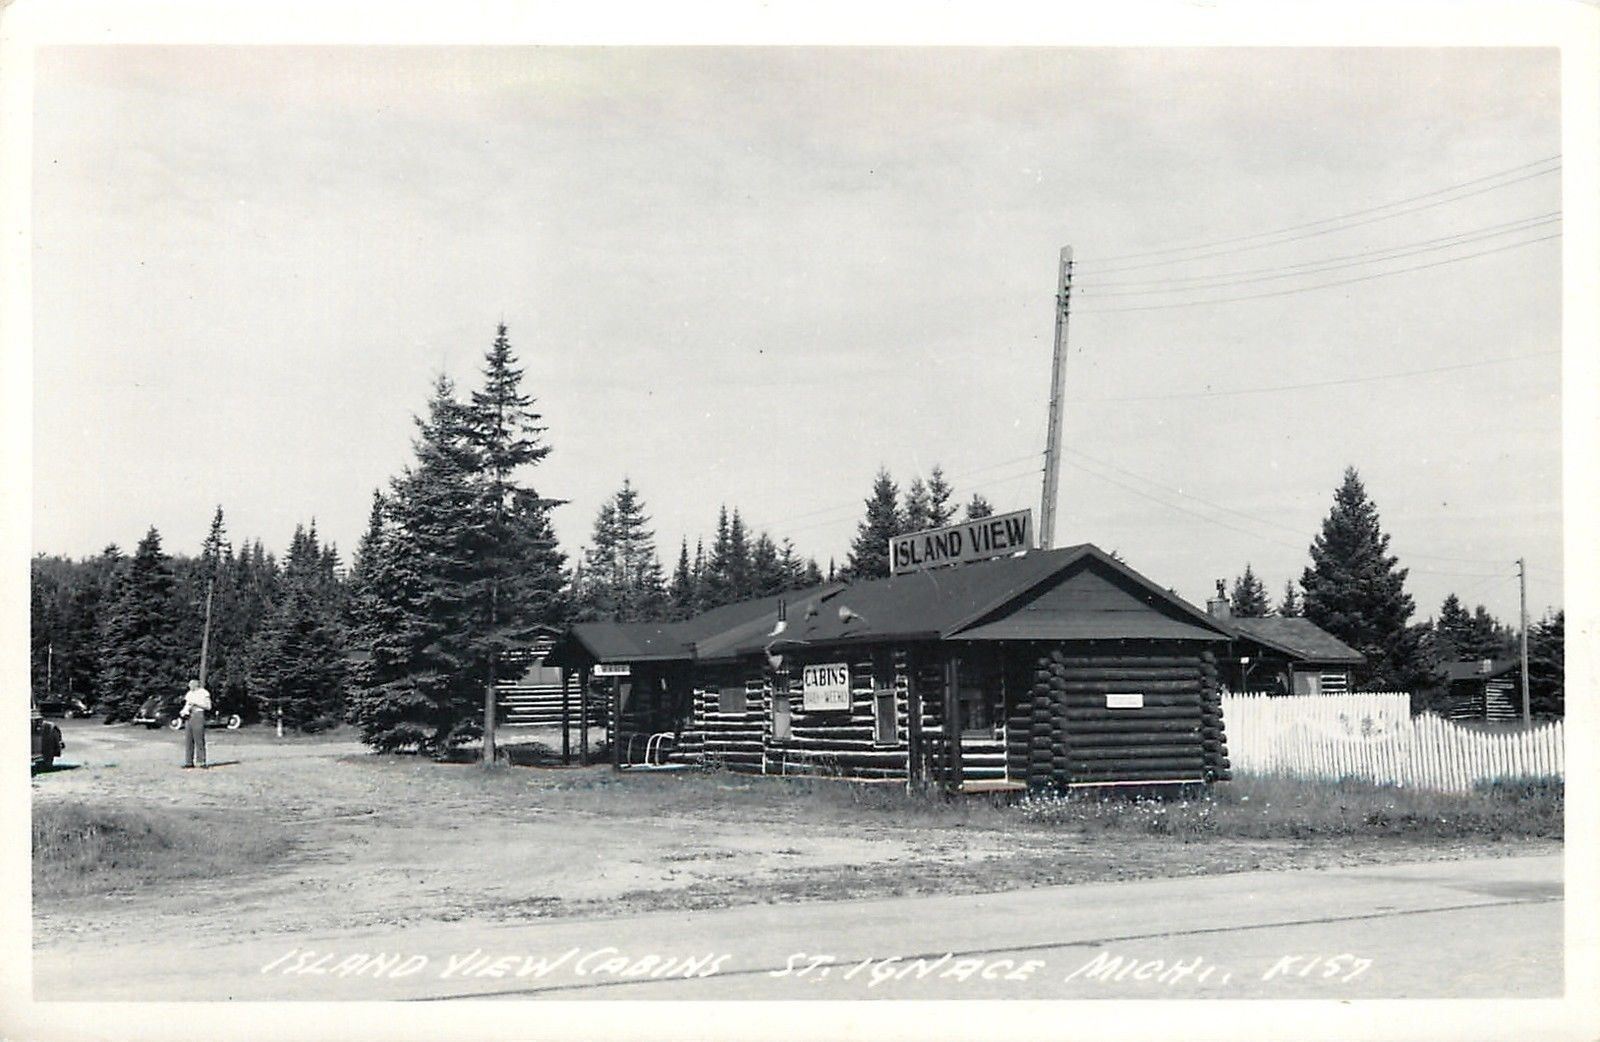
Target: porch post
[[614, 724], [583, 716], [916, 767], [952, 723], [566, 716]]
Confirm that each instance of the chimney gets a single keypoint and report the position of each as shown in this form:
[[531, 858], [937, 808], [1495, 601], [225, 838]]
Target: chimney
[[1218, 607]]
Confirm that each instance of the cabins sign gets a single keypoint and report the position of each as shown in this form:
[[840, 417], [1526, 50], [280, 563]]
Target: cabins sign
[[825, 686], [957, 544]]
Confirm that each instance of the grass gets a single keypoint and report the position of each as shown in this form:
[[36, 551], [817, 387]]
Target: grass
[[1246, 808], [79, 848], [1290, 808]]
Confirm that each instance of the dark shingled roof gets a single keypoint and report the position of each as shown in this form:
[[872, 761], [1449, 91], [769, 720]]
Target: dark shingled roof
[[990, 600], [1298, 637], [1074, 593], [1454, 671]]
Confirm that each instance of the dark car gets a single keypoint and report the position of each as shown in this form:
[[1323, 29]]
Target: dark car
[[47, 743], [59, 704], [163, 709]]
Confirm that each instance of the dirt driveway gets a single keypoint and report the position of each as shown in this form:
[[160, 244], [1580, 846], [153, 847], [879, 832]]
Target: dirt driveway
[[392, 840]]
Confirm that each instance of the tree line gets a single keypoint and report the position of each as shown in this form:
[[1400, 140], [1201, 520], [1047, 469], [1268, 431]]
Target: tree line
[[459, 564]]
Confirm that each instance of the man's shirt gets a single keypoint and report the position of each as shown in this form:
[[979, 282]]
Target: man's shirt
[[197, 698]]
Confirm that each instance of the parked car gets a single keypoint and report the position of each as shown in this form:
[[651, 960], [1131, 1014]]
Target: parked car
[[162, 710], [47, 743], [59, 704]]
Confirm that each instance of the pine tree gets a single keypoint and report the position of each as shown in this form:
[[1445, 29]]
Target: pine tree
[[419, 687], [813, 574], [869, 551], [140, 655], [1354, 591], [623, 573], [917, 513], [1547, 666], [680, 591], [979, 507], [1248, 599], [1290, 607], [297, 655], [741, 583], [520, 570], [717, 586], [941, 511], [767, 575]]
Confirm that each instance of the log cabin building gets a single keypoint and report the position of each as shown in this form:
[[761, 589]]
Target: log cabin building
[[1045, 669]]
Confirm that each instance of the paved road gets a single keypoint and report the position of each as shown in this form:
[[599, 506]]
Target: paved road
[[1484, 929]]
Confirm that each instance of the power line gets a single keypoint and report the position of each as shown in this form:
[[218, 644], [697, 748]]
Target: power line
[[1288, 271], [1248, 517], [1323, 285], [1345, 216], [1320, 383]]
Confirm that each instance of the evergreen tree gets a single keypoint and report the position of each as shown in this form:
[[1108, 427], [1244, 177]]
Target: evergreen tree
[[941, 511], [812, 576], [519, 574], [1248, 600], [297, 655], [140, 655], [1354, 591], [716, 585], [1290, 606], [419, 688], [1547, 665], [1462, 636], [917, 513], [741, 582], [869, 551], [767, 574], [623, 573], [681, 591], [978, 508]]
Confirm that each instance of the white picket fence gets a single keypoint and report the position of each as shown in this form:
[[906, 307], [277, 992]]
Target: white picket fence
[[1373, 736]]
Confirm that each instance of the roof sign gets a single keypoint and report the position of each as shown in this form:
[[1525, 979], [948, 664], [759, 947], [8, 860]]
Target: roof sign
[[978, 540]]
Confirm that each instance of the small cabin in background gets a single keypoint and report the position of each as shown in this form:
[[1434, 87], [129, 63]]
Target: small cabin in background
[[1287, 655], [1487, 689], [1049, 668]]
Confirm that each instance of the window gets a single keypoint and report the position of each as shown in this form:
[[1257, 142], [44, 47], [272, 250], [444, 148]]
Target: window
[[731, 699], [780, 716], [885, 730]]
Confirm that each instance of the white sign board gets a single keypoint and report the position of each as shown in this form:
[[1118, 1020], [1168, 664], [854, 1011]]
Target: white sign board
[[957, 544], [825, 687], [611, 669], [1115, 701]]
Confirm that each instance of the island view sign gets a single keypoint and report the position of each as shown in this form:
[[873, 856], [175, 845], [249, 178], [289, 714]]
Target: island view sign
[[957, 544]]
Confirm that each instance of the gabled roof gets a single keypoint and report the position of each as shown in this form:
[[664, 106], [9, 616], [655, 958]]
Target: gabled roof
[[985, 601], [1296, 637], [1474, 670]]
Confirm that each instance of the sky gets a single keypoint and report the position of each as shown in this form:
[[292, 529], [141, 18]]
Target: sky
[[753, 276]]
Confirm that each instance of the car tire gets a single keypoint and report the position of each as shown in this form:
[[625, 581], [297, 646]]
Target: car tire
[[46, 762], [175, 723], [235, 721]]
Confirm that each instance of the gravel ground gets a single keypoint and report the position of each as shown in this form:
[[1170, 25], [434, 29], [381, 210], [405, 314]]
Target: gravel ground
[[386, 841]]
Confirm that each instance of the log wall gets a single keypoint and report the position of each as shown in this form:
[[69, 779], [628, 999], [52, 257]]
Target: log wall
[[1074, 737]]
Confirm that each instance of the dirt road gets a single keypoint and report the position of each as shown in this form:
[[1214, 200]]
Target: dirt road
[[1480, 929]]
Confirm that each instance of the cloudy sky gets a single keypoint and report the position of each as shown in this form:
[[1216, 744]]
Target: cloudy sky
[[753, 276]]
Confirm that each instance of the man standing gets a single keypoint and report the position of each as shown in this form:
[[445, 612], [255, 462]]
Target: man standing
[[196, 703]]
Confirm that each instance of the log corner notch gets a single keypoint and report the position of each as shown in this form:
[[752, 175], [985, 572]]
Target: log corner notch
[[1213, 731], [1077, 735]]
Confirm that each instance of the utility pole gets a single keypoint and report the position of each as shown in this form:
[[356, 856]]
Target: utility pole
[[1058, 377], [1522, 583], [205, 634]]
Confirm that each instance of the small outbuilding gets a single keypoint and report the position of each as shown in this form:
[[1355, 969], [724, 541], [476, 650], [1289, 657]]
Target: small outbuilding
[[1483, 690]]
